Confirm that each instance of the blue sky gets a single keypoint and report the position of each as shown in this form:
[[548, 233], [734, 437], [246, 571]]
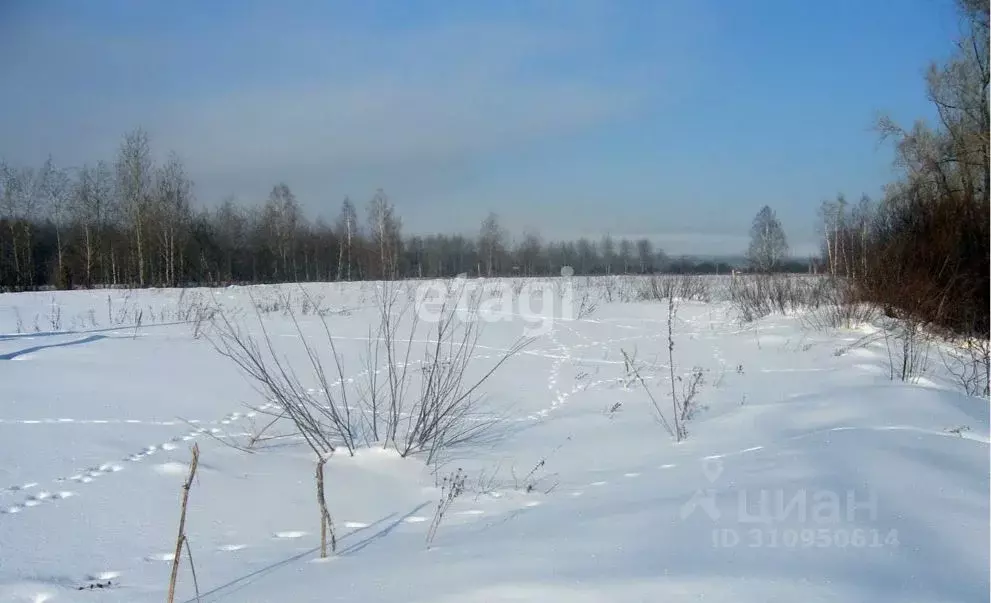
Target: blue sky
[[671, 119]]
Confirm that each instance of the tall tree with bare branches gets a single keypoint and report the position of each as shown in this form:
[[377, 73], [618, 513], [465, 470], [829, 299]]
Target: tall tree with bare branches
[[134, 187], [768, 244], [347, 232], [491, 242], [385, 227], [172, 212]]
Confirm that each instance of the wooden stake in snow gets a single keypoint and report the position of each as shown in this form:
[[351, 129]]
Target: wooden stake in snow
[[181, 537], [326, 523]]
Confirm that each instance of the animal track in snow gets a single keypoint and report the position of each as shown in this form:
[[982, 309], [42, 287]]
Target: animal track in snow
[[103, 576], [230, 548], [23, 487], [86, 476], [160, 557], [172, 468], [355, 524], [71, 421]]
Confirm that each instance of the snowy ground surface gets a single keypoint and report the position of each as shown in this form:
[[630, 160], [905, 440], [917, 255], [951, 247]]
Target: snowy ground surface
[[807, 475]]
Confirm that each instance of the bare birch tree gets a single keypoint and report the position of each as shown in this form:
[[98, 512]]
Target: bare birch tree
[[385, 227], [134, 188], [768, 245], [55, 188], [173, 196], [347, 231], [491, 242], [625, 254]]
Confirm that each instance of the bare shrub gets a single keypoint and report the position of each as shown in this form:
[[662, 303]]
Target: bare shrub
[[969, 362], [191, 309], [925, 257], [117, 316], [268, 306], [682, 406], [138, 321], [686, 287], [656, 288], [586, 307], [690, 388], [414, 411], [679, 423], [202, 315], [635, 376], [609, 285], [517, 286], [840, 315], [749, 298], [908, 345], [840, 307], [325, 424], [694, 287], [758, 295], [626, 288], [451, 488], [535, 480], [444, 411], [55, 316]]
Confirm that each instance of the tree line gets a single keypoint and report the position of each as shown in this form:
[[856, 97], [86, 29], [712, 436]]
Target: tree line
[[922, 251], [131, 222]]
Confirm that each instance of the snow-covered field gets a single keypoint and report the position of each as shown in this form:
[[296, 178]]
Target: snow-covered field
[[807, 473]]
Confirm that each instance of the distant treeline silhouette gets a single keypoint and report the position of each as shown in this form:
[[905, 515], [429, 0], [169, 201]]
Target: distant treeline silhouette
[[135, 223]]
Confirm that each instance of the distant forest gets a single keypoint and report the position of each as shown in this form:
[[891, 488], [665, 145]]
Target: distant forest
[[134, 223]]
